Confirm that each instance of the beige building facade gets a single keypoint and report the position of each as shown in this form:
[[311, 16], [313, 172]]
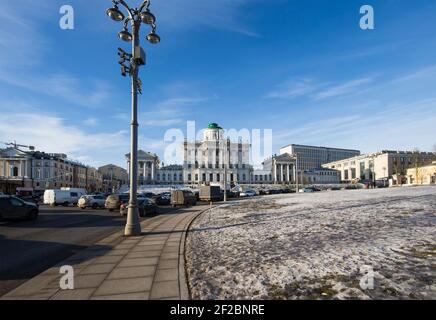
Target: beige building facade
[[424, 175], [382, 166], [39, 171]]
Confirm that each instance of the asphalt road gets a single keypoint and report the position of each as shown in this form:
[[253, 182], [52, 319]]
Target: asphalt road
[[29, 247]]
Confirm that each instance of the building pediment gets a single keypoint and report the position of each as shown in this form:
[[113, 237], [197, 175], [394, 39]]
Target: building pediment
[[143, 155], [12, 153], [285, 157]]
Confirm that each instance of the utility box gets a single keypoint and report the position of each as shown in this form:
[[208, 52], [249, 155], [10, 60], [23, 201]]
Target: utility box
[[139, 55], [211, 193]]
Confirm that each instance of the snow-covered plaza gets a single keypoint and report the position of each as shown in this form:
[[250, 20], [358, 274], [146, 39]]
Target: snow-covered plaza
[[325, 245]]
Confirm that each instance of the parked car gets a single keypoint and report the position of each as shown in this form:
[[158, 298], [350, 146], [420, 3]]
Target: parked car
[[91, 201], [183, 198], [248, 193], [13, 207], [114, 201], [163, 199], [306, 190], [61, 197], [148, 195], [145, 206]]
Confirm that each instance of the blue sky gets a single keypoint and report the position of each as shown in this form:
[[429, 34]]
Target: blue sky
[[301, 68]]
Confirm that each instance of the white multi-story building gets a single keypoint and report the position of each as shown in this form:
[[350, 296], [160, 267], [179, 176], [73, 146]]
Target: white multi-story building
[[310, 157], [206, 161]]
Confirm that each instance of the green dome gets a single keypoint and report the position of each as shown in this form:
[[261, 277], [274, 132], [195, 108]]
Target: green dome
[[214, 126]]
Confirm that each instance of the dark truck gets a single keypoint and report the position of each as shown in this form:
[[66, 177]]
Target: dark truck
[[211, 193], [183, 198]]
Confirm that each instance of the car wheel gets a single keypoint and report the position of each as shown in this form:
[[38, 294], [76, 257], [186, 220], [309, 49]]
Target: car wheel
[[94, 206], [111, 210]]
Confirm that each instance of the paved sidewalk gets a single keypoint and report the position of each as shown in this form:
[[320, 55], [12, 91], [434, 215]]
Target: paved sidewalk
[[150, 266]]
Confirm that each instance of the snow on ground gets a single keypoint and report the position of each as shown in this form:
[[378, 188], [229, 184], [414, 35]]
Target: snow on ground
[[317, 246]]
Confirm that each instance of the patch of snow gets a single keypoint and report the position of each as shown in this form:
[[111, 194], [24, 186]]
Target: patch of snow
[[314, 246]]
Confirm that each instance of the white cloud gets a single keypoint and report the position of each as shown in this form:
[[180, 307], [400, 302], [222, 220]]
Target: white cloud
[[426, 72], [169, 112], [63, 86], [54, 135], [91, 122], [343, 89], [293, 89], [317, 91], [222, 15], [396, 127]]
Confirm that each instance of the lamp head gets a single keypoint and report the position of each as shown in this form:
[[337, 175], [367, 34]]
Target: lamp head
[[153, 38], [148, 18], [115, 14], [125, 35]]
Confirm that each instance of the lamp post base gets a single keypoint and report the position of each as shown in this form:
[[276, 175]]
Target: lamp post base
[[133, 228]]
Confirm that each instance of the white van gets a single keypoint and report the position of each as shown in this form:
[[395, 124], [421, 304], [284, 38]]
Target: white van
[[61, 197]]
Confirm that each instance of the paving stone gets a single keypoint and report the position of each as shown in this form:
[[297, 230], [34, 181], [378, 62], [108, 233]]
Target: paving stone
[[126, 296], [87, 281], [117, 252], [172, 245], [148, 248], [171, 250], [139, 262], [132, 272], [164, 289], [98, 268], [171, 255], [33, 286], [152, 243], [167, 275], [124, 246], [120, 286], [108, 259], [168, 264], [143, 254], [76, 294]]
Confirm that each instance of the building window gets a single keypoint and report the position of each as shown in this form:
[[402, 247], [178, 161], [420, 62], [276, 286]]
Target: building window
[[196, 177], [203, 177], [211, 177], [189, 177]]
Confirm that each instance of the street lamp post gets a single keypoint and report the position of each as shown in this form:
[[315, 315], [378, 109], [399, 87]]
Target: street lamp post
[[226, 161], [136, 16]]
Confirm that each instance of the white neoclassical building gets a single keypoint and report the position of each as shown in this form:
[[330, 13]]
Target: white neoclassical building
[[148, 163], [206, 161]]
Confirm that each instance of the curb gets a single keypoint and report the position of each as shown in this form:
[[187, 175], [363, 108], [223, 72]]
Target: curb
[[185, 291]]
